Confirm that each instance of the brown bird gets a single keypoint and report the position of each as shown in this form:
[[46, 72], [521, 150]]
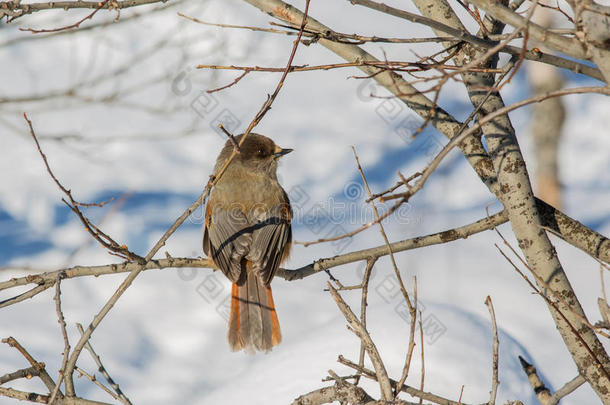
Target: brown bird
[[247, 234]]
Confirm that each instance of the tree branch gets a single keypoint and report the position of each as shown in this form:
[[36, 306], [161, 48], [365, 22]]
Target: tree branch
[[428, 396], [542, 392], [369, 345], [564, 45], [494, 380], [23, 373], [16, 9], [344, 393], [43, 375], [570, 230], [567, 389], [462, 33], [100, 367]]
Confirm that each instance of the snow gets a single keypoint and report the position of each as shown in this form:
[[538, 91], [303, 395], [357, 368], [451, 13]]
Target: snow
[[165, 340]]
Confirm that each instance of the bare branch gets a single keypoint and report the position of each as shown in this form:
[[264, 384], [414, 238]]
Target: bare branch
[[28, 294], [596, 355], [423, 367], [344, 393], [365, 338], [542, 392], [105, 240], [455, 141], [486, 119], [562, 223], [546, 295], [559, 43], [403, 290], [105, 23], [231, 138], [370, 263], [26, 373], [92, 378], [24, 396], [67, 27], [409, 355], [567, 389], [69, 383], [396, 66], [534, 55], [494, 379], [100, 367], [15, 9], [44, 376], [437, 399]]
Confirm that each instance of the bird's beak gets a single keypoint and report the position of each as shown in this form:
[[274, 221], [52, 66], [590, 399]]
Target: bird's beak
[[279, 152]]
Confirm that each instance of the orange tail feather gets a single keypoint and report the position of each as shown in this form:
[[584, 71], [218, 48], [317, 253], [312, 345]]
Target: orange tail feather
[[253, 321]]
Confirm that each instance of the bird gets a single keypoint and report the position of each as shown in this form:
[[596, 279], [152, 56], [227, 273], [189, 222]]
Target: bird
[[247, 234]]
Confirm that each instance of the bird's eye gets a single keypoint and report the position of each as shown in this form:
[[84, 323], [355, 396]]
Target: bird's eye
[[261, 152]]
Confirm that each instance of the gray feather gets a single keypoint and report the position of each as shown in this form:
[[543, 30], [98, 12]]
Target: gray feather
[[268, 240], [228, 241]]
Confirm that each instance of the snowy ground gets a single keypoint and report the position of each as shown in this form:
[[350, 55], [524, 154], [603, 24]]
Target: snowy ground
[[165, 340]]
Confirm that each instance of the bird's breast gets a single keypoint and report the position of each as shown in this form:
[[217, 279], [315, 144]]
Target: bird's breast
[[247, 193]]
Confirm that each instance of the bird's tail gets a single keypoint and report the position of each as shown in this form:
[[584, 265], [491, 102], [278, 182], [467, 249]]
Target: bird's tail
[[253, 323]]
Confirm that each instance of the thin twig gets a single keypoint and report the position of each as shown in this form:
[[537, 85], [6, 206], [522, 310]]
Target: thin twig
[[352, 39], [553, 293], [494, 379], [26, 373], [561, 314], [67, 27], [567, 389], [100, 367], [487, 118], [358, 230], [568, 46], [18, 9], [428, 396], [403, 290], [95, 381], [28, 294], [403, 182], [370, 263], [409, 355], [365, 338], [231, 138], [235, 81], [403, 197], [330, 35], [105, 240], [44, 376], [69, 383], [423, 367], [397, 66]]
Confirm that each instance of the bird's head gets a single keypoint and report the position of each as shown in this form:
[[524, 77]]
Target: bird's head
[[258, 154]]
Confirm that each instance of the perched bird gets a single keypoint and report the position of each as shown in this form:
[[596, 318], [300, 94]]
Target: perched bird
[[247, 234]]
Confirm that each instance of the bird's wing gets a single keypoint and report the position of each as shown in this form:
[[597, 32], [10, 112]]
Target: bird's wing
[[227, 238], [271, 233]]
